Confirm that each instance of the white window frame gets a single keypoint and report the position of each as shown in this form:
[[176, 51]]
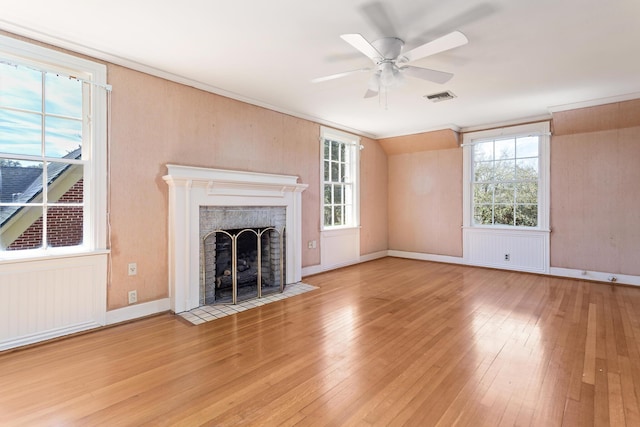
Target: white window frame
[[353, 144], [94, 149], [540, 129]]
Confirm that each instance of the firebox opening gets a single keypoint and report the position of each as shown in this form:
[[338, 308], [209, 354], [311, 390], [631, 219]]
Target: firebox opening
[[243, 264]]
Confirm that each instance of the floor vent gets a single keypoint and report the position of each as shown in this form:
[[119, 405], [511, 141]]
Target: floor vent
[[441, 96]]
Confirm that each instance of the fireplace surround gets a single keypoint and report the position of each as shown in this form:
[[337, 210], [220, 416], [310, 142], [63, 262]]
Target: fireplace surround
[[191, 188]]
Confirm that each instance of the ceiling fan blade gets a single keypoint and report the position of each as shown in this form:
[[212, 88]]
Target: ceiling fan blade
[[427, 74], [338, 75], [370, 93], [360, 43], [378, 16], [446, 42]]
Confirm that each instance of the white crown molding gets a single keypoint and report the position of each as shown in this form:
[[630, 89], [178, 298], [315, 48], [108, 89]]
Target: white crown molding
[[514, 122], [137, 66], [595, 102]]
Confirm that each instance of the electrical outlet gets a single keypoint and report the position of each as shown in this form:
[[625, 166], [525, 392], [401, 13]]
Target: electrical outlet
[[507, 257], [133, 297], [133, 269]]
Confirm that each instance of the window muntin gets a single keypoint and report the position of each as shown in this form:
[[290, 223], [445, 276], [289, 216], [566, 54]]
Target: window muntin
[[506, 181], [339, 165], [51, 128]]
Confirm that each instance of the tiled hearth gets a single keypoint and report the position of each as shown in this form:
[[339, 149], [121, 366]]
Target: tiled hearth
[[208, 313]]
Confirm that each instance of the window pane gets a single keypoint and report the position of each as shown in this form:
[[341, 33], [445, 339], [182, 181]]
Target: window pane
[[527, 192], [527, 215], [337, 194], [505, 149], [20, 87], [343, 168], [63, 96], [327, 171], [483, 151], [20, 181], [482, 214], [65, 183], [327, 146], [483, 171], [335, 150], [64, 226], [63, 137], [335, 171], [327, 216], [503, 214], [348, 211], [505, 170], [483, 193], [343, 157], [527, 169], [20, 133], [337, 216], [327, 194], [504, 193], [527, 146], [25, 230]]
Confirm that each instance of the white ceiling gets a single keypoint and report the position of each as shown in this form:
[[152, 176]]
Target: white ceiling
[[523, 57]]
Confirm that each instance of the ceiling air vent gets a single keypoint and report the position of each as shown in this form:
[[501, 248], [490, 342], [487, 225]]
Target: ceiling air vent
[[441, 96]]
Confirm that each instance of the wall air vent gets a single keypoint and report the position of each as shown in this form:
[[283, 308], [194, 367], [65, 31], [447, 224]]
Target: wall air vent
[[440, 96]]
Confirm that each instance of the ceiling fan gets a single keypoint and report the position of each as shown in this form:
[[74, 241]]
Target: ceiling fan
[[391, 64]]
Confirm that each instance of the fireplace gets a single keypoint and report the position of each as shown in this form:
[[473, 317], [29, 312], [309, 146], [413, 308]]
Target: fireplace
[[208, 204], [242, 253]]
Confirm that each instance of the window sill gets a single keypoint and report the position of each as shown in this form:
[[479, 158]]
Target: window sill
[[40, 255], [345, 227], [488, 228]]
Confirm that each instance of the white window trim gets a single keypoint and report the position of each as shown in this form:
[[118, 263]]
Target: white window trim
[[95, 221], [543, 130], [353, 140]]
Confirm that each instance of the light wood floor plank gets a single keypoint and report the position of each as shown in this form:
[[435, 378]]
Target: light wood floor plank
[[391, 342]]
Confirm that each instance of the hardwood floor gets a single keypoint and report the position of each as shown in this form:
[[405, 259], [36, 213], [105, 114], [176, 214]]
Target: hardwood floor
[[389, 342]]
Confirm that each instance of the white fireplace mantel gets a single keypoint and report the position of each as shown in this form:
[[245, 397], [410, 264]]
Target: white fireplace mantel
[[192, 187]]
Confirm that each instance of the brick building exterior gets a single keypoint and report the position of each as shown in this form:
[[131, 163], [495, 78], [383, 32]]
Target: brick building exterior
[[64, 224]]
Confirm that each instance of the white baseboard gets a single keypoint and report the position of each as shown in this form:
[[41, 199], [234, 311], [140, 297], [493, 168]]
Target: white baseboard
[[374, 255], [138, 310], [47, 335], [426, 257], [597, 276], [315, 269]]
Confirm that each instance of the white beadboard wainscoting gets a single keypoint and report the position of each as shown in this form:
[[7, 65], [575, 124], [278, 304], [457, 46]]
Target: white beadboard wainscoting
[[523, 250], [48, 298], [339, 247]]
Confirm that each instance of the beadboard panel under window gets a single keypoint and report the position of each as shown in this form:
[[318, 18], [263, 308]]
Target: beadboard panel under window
[[49, 298]]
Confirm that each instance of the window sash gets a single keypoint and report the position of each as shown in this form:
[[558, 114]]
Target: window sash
[[339, 186], [527, 197], [89, 121]]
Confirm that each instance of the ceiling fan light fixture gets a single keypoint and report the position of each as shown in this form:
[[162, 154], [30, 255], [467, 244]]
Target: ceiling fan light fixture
[[374, 81]]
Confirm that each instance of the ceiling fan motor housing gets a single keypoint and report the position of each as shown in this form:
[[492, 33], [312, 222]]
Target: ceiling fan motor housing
[[389, 47]]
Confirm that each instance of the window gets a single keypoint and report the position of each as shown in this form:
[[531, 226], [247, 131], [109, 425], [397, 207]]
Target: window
[[52, 150], [340, 179], [507, 180]]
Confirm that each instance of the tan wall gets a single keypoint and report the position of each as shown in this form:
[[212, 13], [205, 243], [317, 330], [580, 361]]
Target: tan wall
[[155, 122], [595, 189], [373, 198], [425, 193]]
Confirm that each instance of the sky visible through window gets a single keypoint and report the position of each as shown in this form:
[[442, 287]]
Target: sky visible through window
[[31, 99]]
